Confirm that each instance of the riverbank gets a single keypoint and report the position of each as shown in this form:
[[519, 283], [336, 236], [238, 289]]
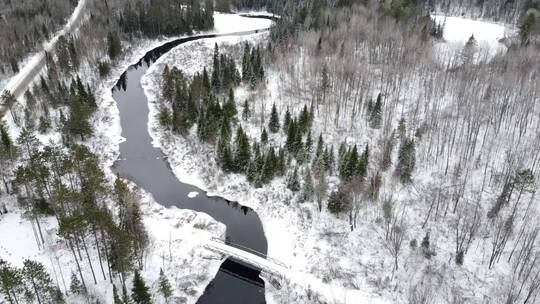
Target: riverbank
[[175, 235]]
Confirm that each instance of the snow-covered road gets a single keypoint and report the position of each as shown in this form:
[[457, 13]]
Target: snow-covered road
[[19, 83]]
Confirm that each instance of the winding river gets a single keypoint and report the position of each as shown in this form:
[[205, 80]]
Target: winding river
[[148, 168]]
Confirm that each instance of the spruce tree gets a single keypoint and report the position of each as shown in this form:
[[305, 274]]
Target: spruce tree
[[229, 108], [264, 137], [293, 182], [273, 125], [375, 118], [164, 286], [140, 292], [307, 190], [338, 202], [243, 152], [246, 112], [246, 64], [75, 287], [114, 45], [286, 120], [406, 160]]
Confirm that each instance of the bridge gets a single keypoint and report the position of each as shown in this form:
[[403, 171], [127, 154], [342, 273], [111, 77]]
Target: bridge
[[330, 292]]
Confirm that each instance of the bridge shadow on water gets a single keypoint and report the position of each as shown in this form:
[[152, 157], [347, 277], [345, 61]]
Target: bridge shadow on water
[[146, 166]]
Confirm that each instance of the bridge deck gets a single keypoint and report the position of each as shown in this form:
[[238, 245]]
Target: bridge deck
[[331, 292]]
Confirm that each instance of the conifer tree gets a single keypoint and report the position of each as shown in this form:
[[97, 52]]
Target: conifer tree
[[338, 202], [273, 125], [164, 286], [406, 160], [242, 153], [293, 182], [291, 138], [216, 72], [11, 283], [39, 282], [116, 297], [286, 120], [246, 64], [469, 51], [375, 118], [264, 137], [307, 190], [269, 166], [114, 45], [140, 292], [229, 108], [75, 286], [246, 112]]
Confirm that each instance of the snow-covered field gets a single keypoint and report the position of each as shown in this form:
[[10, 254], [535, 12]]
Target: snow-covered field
[[458, 30]]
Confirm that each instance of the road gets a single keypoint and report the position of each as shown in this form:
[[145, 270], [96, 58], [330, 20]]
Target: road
[[20, 82]]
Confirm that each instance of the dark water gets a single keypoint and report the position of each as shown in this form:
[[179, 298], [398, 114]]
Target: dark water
[[146, 166]]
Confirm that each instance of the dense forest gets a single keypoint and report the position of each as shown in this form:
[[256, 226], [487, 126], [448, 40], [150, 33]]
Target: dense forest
[[25, 25]]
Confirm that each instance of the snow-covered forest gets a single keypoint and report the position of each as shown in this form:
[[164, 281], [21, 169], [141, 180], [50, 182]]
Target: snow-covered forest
[[390, 148]]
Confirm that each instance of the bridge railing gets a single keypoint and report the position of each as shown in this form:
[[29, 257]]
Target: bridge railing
[[250, 250]]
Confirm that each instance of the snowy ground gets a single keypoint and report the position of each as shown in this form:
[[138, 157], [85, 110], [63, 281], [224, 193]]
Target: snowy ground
[[175, 234], [286, 227], [458, 30], [316, 242]]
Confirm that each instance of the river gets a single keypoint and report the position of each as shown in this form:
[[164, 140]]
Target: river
[[147, 167]]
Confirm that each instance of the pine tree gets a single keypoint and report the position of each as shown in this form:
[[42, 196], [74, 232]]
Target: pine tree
[[469, 51], [114, 45], [75, 287], [526, 27], [309, 144], [140, 292], [216, 72], [164, 286], [39, 282], [11, 283], [229, 108], [363, 163], [165, 118], [293, 183], [406, 160], [246, 112], [269, 166], [375, 118], [243, 153], [338, 202], [308, 190], [273, 125], [264, 137], [286, 120], [116, 297], [290, 144], [246, 64], [304, 121]]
